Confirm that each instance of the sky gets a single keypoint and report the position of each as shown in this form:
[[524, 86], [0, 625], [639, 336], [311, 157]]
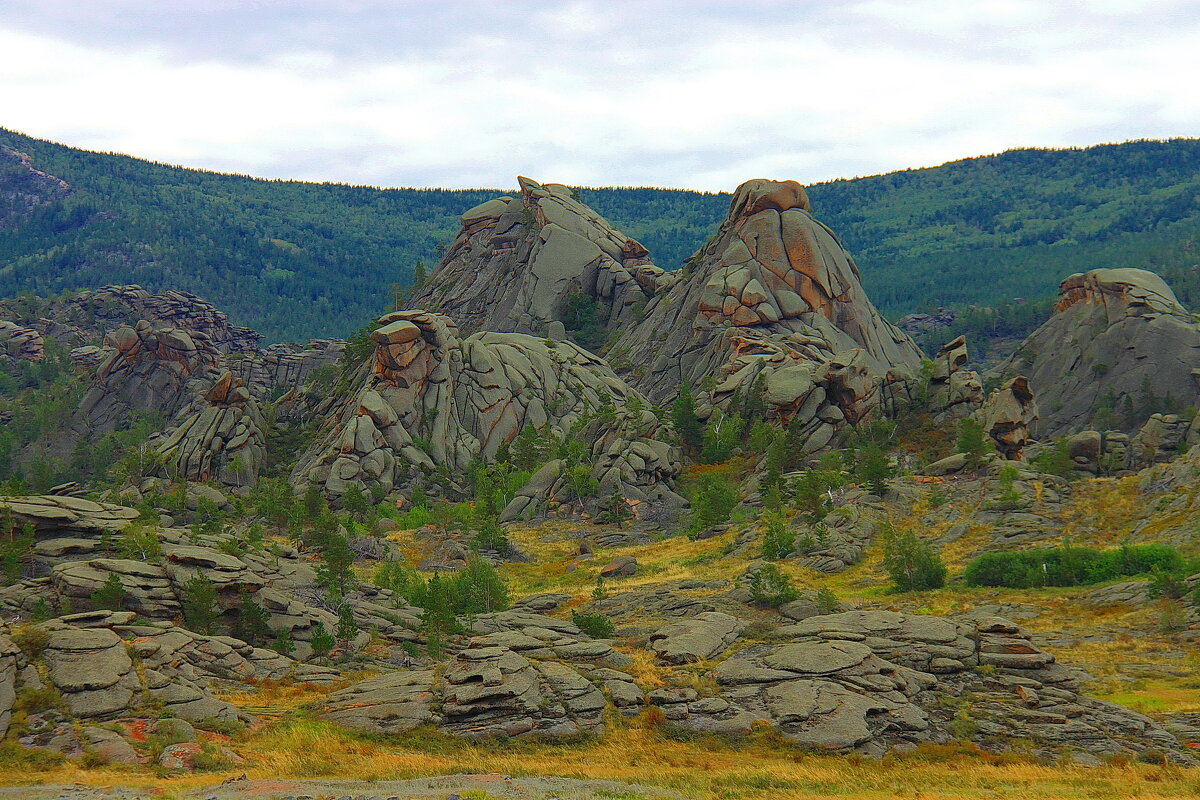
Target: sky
[[699, 95]]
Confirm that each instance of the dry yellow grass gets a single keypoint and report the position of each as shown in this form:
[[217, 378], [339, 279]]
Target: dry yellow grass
[[757, 769]]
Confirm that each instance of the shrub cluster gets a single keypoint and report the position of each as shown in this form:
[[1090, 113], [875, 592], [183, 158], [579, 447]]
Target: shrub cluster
[[1071, 566]]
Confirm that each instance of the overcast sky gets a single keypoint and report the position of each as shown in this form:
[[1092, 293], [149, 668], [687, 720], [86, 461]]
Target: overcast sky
[[699, 94]]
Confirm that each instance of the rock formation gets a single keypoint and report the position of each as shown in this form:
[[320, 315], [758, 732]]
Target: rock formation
[[1007, 415], [517, 261], [954, 392], [1118, 348], [170, 308], [431, 399], [150, 369], [526, 674], [18, 343], [771, 301], [221, 437]]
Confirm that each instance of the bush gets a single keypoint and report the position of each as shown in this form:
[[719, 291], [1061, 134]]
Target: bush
[[873, 468], [596, 626], [322, 641], [712, 501], [813, 489], [1071, 566], [31, 639], [770, 587], [199, 603], [111, 595], [973, 442], [913, 564], [779, 541], [826, 601]]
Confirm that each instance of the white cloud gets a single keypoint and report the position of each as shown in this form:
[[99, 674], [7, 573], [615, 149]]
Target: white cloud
[[702, 94]]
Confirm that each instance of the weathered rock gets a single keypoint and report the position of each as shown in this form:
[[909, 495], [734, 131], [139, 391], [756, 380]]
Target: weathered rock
[[220, 436], [18, 343], [151, 368], [1119, 343], [771, 304], [518, 261], [464, 399], [1007, 415], [697, 638]]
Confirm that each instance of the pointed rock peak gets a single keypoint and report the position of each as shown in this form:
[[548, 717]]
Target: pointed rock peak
[[773, 287], [521, 264]]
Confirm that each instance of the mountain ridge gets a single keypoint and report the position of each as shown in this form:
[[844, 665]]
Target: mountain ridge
[[1000, 226]]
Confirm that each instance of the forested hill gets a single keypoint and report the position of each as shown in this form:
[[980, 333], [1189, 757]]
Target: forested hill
[[296, 260]]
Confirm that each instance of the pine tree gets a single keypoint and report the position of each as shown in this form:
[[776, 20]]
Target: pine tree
[[111, 595], [683, 415], [322, 641], [199, 603]]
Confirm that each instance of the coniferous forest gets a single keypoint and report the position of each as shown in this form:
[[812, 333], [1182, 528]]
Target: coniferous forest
[[296, 260]]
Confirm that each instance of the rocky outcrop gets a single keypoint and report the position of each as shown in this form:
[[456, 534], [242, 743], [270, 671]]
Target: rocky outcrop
[[771, 304], [517, 262], [23, 187], [174, 309], [59, 517], [282, 368], [697, 638], [18, 343], [954, 391], [432, 399], [220, 437], [1118, 347], [150, 369], [526, 675], [1007, 415], [873, 680]]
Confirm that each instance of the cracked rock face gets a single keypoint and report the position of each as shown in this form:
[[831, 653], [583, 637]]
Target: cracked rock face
[[517, 259], [872, 680], [1008, 414], [220, 436], [774, 299], [526, 675], [431, 399], [150, 368], [1119, 334]]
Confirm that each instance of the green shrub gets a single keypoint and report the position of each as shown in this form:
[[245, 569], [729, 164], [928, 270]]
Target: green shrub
[[913, 564], [111, 595], [712, 500], [813, 489], [826, 601], [1071, 566], [597, 626], [31, 639], [973, 442], [199, 603], [770, 587], [779, 540], [322, 640]]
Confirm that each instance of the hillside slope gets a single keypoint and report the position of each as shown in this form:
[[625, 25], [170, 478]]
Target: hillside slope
[[296, 260]]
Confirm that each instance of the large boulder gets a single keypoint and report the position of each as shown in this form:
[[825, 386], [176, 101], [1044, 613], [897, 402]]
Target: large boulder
[[220, 436], [1118, 348]]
